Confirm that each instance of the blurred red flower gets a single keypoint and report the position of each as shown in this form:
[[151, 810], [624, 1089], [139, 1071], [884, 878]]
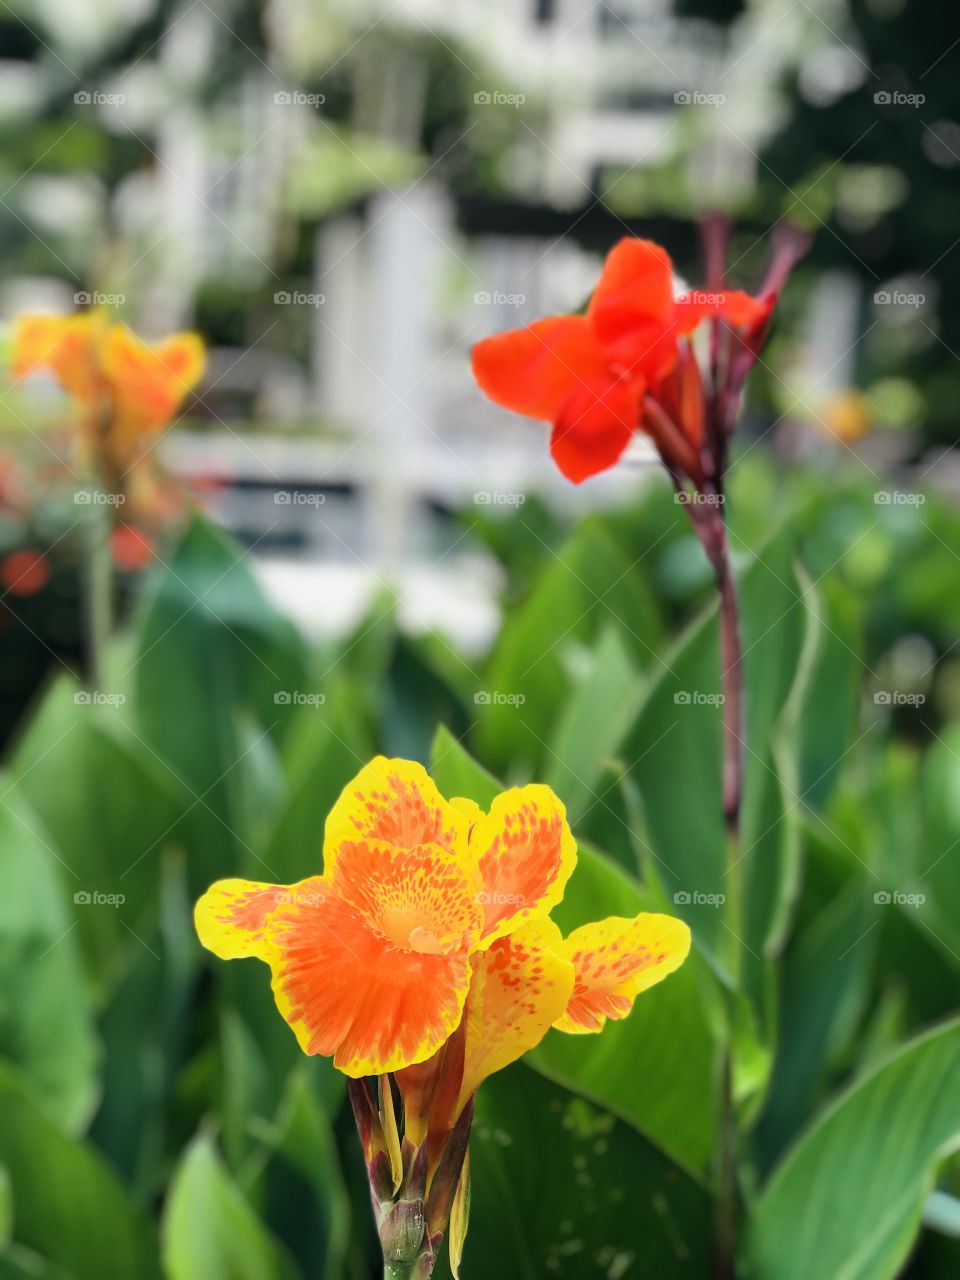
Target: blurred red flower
[[24, 573]]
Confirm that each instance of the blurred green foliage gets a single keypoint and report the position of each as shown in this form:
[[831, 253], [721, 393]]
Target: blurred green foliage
[[156, 1115]]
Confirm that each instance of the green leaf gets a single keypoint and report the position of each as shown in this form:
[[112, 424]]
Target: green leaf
[[560, 1187], [656, 1068], [596, 718], [210, 1231], [46, 1022], [456, 772], [109, 811], [848, 1198], [213, 659], [68, 1205], [676, 749], [590, 586]]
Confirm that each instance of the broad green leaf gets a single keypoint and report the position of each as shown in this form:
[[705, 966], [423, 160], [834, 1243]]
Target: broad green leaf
[[656, 1068], [560, 1187], [734, 899], [109, 810], [46, 1021], [596, 718], [847, 1200], [209, 1229], [589, 586], [456, 772], [215, 668], [68, 1205]]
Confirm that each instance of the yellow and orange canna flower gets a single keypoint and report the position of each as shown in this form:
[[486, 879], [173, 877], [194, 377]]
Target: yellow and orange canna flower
[[425, 955], [422, 902], [124, 388]]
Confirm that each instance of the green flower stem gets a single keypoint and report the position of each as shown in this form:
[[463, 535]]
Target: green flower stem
[[99, 592]]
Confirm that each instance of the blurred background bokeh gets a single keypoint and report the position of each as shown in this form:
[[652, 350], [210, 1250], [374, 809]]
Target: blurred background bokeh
[[341, 545]]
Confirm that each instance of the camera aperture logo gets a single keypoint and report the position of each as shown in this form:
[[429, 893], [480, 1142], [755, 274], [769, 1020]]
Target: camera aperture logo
[[497, 98], [296, 298], [94, 98], [694, 898], [498, 698], [298, 498], [97, 898], [498, 498], [898, 698], [97, 698], [698, 698], [894, 897], [298, 698], [694, 98]]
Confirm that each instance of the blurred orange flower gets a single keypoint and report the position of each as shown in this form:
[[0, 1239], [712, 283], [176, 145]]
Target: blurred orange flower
[[125, 388]]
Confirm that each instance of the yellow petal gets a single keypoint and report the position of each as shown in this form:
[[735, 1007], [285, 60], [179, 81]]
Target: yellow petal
[[391, 1133], [231, 917], [66, 346], [525, 853], [614, 960], [521, 986], [460, 1218], [398, 802]]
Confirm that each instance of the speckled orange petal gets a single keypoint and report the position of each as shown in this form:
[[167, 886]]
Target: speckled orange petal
[[231, 916], [396, 801], [614, 960], [376, 970], [525, 853], [149, 382], [64, 345], [521, 986]]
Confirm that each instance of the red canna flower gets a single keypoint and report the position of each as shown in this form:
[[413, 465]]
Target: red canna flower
[[628, 365]]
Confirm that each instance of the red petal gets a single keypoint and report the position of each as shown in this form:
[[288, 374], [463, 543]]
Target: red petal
[[595, 427], [738, 308], [534, 370], [635, 291]]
